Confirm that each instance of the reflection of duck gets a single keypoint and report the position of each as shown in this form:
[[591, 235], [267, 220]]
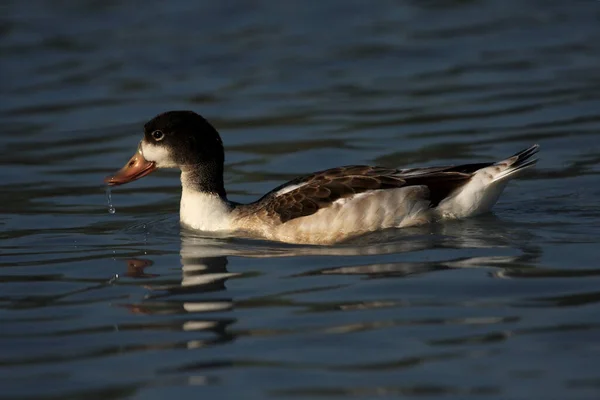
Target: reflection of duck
[[202, 306], [202, 292], [204, 260], [204, 270], [325, 207]]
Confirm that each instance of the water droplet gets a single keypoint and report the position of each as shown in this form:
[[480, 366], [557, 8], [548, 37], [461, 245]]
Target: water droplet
[[111, 208]]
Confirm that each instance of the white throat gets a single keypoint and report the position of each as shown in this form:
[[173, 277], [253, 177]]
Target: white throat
[[203, 211]]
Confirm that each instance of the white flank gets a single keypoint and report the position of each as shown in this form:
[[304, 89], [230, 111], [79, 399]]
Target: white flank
[[365, 212]]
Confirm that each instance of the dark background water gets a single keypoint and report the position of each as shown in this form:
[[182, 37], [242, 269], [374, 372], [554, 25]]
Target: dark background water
[[100, 306]]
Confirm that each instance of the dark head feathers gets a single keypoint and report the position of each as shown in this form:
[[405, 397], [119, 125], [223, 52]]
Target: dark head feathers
[[190, 137]]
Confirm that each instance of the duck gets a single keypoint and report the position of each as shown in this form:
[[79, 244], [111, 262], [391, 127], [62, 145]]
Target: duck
[[322, 208]]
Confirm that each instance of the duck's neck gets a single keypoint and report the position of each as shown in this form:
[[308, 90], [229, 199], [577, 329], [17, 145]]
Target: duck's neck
[[204, 204], [205, 177]]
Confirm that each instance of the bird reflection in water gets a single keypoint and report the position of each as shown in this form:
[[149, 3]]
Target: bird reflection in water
[[204, 264], [204, 271], [200, 304]]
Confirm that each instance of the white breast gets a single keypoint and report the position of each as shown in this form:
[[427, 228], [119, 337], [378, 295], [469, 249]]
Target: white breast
[[203, 211]]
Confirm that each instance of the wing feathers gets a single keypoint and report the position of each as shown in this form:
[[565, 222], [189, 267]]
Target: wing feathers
[[322, 189], [306, 195]]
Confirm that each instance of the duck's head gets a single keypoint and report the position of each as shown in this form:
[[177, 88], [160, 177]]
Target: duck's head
[[175, 139]]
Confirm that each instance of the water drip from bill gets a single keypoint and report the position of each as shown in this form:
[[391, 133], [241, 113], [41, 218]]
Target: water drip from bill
[[111, 208]]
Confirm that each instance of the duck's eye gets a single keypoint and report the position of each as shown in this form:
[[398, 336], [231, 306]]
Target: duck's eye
[[158, 135]]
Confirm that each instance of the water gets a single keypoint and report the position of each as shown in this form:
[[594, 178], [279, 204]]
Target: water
[[111, 207], [128, 305]]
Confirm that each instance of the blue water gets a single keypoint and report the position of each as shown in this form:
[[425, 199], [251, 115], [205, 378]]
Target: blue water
[[96, 305]]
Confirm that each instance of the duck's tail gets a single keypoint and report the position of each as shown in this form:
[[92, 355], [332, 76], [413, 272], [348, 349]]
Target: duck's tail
[[512, 165], [483, 189]]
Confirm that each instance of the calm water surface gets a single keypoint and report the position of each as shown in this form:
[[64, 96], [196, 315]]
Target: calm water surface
[[98, 306]]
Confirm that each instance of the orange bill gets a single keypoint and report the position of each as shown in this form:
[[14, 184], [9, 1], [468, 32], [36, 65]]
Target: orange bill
[[135, 168]]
